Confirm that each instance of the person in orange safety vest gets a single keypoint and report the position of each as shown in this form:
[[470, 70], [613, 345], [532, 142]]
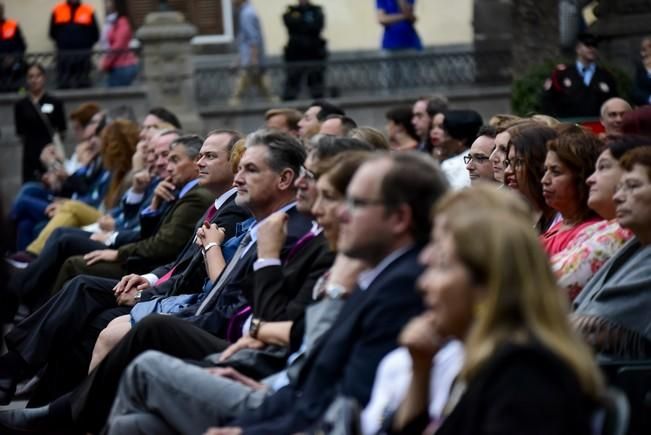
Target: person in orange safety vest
[[73, 27], [12, 49]]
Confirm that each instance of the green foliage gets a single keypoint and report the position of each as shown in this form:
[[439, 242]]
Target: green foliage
[[527, 90]]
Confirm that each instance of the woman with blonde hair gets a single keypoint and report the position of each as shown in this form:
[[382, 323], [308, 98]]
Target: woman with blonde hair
[[525, 371]]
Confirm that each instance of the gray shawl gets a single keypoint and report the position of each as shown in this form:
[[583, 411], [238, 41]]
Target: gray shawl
[[620, 291]]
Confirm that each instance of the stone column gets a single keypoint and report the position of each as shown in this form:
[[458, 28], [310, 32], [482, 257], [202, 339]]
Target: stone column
[[492, 32], [168, 68]]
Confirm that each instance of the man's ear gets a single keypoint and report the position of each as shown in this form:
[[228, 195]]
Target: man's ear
[[287, 178], [401, 218]]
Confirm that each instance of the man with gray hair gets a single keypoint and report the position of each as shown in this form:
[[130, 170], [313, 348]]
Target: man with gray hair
[[265, 185], [612, 115]]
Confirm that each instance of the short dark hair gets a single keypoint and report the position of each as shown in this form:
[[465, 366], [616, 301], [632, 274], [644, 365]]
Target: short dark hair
[[327, 109], [121, 8], [39, 66], [487, 130], [436, 104], [285, 151], [347, 123], [165, 115], [622, 144], [191, 142], [401, 116], [234, 137], [414, 179], [462, 125]]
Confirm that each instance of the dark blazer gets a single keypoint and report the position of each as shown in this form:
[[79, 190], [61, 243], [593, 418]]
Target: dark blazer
[[282, 292], [176, 227], [345, 359], [566, 96], [641, 86], [190, 272], [522, 389], [231, 298]]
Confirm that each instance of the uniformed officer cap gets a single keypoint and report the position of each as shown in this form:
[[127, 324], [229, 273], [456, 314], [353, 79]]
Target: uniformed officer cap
[[588, 39]]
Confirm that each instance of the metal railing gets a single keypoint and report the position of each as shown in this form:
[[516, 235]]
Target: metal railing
[[64, 69], [376, 74]]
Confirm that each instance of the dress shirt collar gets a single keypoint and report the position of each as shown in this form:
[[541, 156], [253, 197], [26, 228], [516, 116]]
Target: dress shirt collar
[[189, 185], [254, 228], [221, 199], [367, 277]]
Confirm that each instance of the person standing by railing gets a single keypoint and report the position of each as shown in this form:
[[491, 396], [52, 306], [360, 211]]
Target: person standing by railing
[[120, 63], [304, 23], [40, 121], [400, 36], [252, 58], [12, 49], [73, 27]]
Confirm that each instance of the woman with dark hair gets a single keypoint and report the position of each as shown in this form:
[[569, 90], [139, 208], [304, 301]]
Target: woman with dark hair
[[524, 168], [570, 160], [119, 62], [39, 121], [612, 311], [401, 132], [597, 243]]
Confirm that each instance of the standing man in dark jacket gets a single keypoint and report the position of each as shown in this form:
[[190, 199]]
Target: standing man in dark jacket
[[304, 23], [12, 49], [73, 27], [579, 89]]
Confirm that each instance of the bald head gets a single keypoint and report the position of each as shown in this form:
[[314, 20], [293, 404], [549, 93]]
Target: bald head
[[612, 115]]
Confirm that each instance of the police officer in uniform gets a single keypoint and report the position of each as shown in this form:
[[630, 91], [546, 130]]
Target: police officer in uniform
[[73, 27], [304, 22], [579, 89], [12, 49]]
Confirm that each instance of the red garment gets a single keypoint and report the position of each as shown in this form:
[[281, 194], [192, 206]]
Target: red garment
[[83, 14], [9, 28], [554, 240], [119, 38]]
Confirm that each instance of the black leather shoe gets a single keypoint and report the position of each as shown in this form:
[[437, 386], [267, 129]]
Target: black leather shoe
[[28, 421], [7, 390]]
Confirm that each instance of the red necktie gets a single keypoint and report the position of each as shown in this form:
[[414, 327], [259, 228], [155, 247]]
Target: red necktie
[[210, 214]]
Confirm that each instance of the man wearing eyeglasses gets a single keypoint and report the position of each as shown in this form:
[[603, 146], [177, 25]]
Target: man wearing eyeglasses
[[478, 163]]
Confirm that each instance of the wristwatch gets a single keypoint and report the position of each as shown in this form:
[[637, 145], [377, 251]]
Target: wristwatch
[[255, 327], [138, 296]]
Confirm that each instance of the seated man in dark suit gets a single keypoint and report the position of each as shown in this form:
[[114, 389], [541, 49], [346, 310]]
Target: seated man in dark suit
[[392, 197], [264, 185], [75, 312]]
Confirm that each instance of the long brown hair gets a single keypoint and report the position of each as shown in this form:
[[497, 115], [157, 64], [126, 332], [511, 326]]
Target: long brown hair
[[119, 141]]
